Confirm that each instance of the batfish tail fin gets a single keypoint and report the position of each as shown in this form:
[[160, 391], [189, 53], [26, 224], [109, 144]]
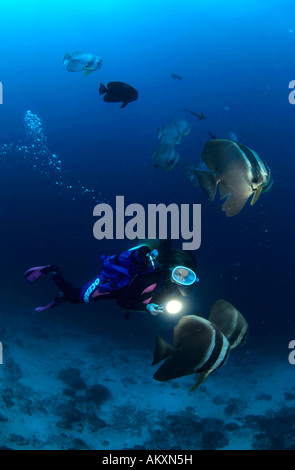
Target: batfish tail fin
[[66, 58], [202, 377], [208, 183], [162, 350], [102, 89]]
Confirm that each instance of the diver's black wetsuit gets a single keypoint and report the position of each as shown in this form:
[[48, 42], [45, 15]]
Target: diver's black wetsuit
[[133, 278], [144, 289]]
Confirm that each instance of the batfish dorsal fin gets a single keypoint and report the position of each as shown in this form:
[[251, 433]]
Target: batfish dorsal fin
[[218, 154], [66, 57], [162, 350]]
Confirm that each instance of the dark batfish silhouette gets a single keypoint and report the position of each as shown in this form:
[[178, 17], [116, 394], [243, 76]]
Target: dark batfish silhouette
[[230, 322], [199, 347], [177, 77], [115, 92], [236, 170], [200, 116]]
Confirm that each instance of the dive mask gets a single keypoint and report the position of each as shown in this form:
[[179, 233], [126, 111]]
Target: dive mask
[[184, 276]]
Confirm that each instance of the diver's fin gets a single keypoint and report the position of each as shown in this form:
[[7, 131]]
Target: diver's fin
[[202, 377], [102, 89], [207, 181], [256, 195], [59, 299], [162, 350], [33, 274], [66, 57]]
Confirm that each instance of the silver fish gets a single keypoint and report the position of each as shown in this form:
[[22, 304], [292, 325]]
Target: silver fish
[[199, 347], [79, 61], [230, 321], [238, 172], [165, 156], [182, 125], [169, 133]]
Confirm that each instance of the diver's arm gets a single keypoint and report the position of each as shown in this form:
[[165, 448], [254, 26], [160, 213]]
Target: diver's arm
[[131, 305], [151, 307], [154, 309]]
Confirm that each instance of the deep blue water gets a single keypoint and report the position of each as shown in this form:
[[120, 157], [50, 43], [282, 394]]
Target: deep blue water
[[236, 60]]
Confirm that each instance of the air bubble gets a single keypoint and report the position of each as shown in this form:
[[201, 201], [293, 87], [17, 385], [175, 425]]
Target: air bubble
[[43, 160]]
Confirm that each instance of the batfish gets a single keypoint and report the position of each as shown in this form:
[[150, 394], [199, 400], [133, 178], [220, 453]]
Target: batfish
[[79, 61], [169, 133], [238, 172], [183, 126], [198, 347], [165, 156], [116, 92], [230, 321]]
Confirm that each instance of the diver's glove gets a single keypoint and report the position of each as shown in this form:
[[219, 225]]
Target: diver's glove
[[151, 257], [154, 309]]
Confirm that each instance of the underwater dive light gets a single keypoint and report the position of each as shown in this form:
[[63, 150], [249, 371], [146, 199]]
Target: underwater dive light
[[173, 306]]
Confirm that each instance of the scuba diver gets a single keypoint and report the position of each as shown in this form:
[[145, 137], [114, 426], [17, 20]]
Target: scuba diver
[[139, 279]]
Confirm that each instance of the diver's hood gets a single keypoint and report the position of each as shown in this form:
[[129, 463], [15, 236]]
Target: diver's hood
[[186, 280]]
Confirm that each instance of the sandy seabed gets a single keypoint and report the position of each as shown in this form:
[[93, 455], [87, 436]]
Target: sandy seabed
[[62, 389]]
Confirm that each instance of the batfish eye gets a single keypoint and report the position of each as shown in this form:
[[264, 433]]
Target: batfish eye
[[255, 180]]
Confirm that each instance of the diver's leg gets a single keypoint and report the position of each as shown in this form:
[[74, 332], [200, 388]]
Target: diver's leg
[[88, 293], [59, 299], [68, 292], [91, 292], [71, 293]]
